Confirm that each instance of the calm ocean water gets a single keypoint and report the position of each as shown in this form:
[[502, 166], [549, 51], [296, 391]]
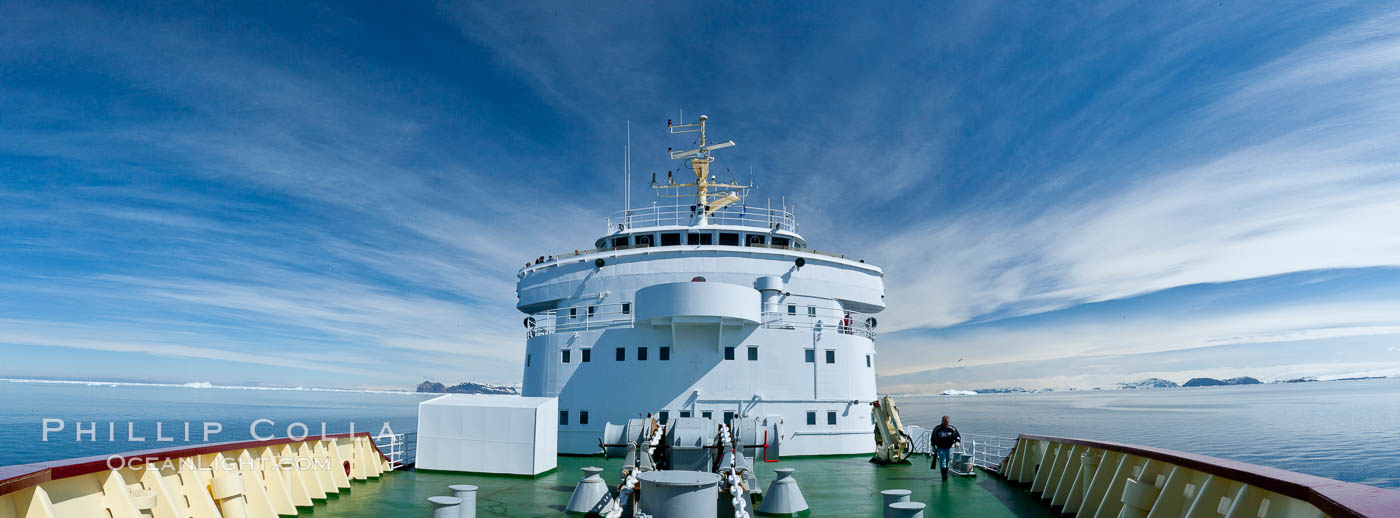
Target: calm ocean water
[[1343, 430]]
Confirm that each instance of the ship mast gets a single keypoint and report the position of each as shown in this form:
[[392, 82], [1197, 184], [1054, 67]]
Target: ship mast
[[705, 187]]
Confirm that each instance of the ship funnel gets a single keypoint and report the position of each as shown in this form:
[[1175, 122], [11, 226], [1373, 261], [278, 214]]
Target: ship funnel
[[769, 283]]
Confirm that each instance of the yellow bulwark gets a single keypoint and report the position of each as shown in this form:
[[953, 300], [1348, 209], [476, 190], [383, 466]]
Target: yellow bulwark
[[250, 479], [1095, 479]]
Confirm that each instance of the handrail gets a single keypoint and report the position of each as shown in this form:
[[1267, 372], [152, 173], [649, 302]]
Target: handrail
[[398, 448], [621, 315], [784, 315], [989, 451], [687, 215], [24, 476], [555, 260], [1332, 497], [579, 318]]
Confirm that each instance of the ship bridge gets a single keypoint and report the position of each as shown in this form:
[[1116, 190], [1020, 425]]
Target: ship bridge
[[669, 225], [704, 304]]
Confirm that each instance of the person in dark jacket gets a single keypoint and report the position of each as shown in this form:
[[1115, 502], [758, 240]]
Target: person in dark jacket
[[943, 438]]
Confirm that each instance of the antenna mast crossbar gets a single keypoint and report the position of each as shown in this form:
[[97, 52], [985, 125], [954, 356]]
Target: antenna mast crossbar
[[705, 187]]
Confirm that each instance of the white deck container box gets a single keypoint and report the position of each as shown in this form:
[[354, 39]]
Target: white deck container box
[[488, 434]]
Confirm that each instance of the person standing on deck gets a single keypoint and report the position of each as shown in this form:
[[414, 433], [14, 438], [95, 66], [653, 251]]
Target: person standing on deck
[[943, 438]]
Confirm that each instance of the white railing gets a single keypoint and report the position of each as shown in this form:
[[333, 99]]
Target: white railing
[[554, 260], [775, 316], [782, 315], [687, 215], [579, 318], [397, 448], [987, 451]]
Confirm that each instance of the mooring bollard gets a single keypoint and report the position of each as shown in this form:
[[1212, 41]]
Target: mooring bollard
[[444, 506], [590, 495], [467, 493], [892, 496], [907, 510], [783, 497]]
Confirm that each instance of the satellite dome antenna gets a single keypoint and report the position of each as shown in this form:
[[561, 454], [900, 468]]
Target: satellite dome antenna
[[710, 196]]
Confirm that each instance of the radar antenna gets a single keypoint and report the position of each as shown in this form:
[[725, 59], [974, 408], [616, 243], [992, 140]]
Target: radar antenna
[[710, 195]]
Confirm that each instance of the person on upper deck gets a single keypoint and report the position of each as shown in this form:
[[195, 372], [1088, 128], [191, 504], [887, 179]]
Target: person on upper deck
[[943, 438]]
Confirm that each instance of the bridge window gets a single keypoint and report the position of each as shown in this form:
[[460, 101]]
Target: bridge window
[[591, 310], [644, 240], [573, 312], [665, 416], [670, 239], [620, 242], [699, 239], [792, 309], [664, 354], [564, 354], [810, 355], [728, 417], [811, 311], [753, 353], [685, 413], [627, 308], [641, 354], [867, 360], [586, 355], [563, 418], [728, 239], [621, 353], [754, 239], [831, 417], [831, 356], [780, 241], [582, 417], [706, 414], [729, 353], [812, 417]]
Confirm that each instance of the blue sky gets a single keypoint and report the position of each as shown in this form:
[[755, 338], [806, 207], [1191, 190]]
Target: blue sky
[[339, 194]]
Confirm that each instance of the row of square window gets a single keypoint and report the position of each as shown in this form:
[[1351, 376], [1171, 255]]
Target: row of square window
[[627, 310], [665, 416], [674, 239], [586, 355]]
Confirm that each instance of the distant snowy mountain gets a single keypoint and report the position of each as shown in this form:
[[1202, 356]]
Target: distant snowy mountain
[[1212, 382], [1149, 383], [954, 392], [1002, 390], [466, 388]]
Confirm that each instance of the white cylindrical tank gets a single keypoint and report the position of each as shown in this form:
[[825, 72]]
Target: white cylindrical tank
[[679, 494], [467, 494], [444, 506], [893, 496]]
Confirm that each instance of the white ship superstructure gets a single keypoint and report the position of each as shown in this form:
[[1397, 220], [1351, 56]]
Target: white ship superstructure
[[709, 308]]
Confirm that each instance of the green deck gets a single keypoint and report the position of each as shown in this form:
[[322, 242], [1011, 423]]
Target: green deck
[[833, 486]]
